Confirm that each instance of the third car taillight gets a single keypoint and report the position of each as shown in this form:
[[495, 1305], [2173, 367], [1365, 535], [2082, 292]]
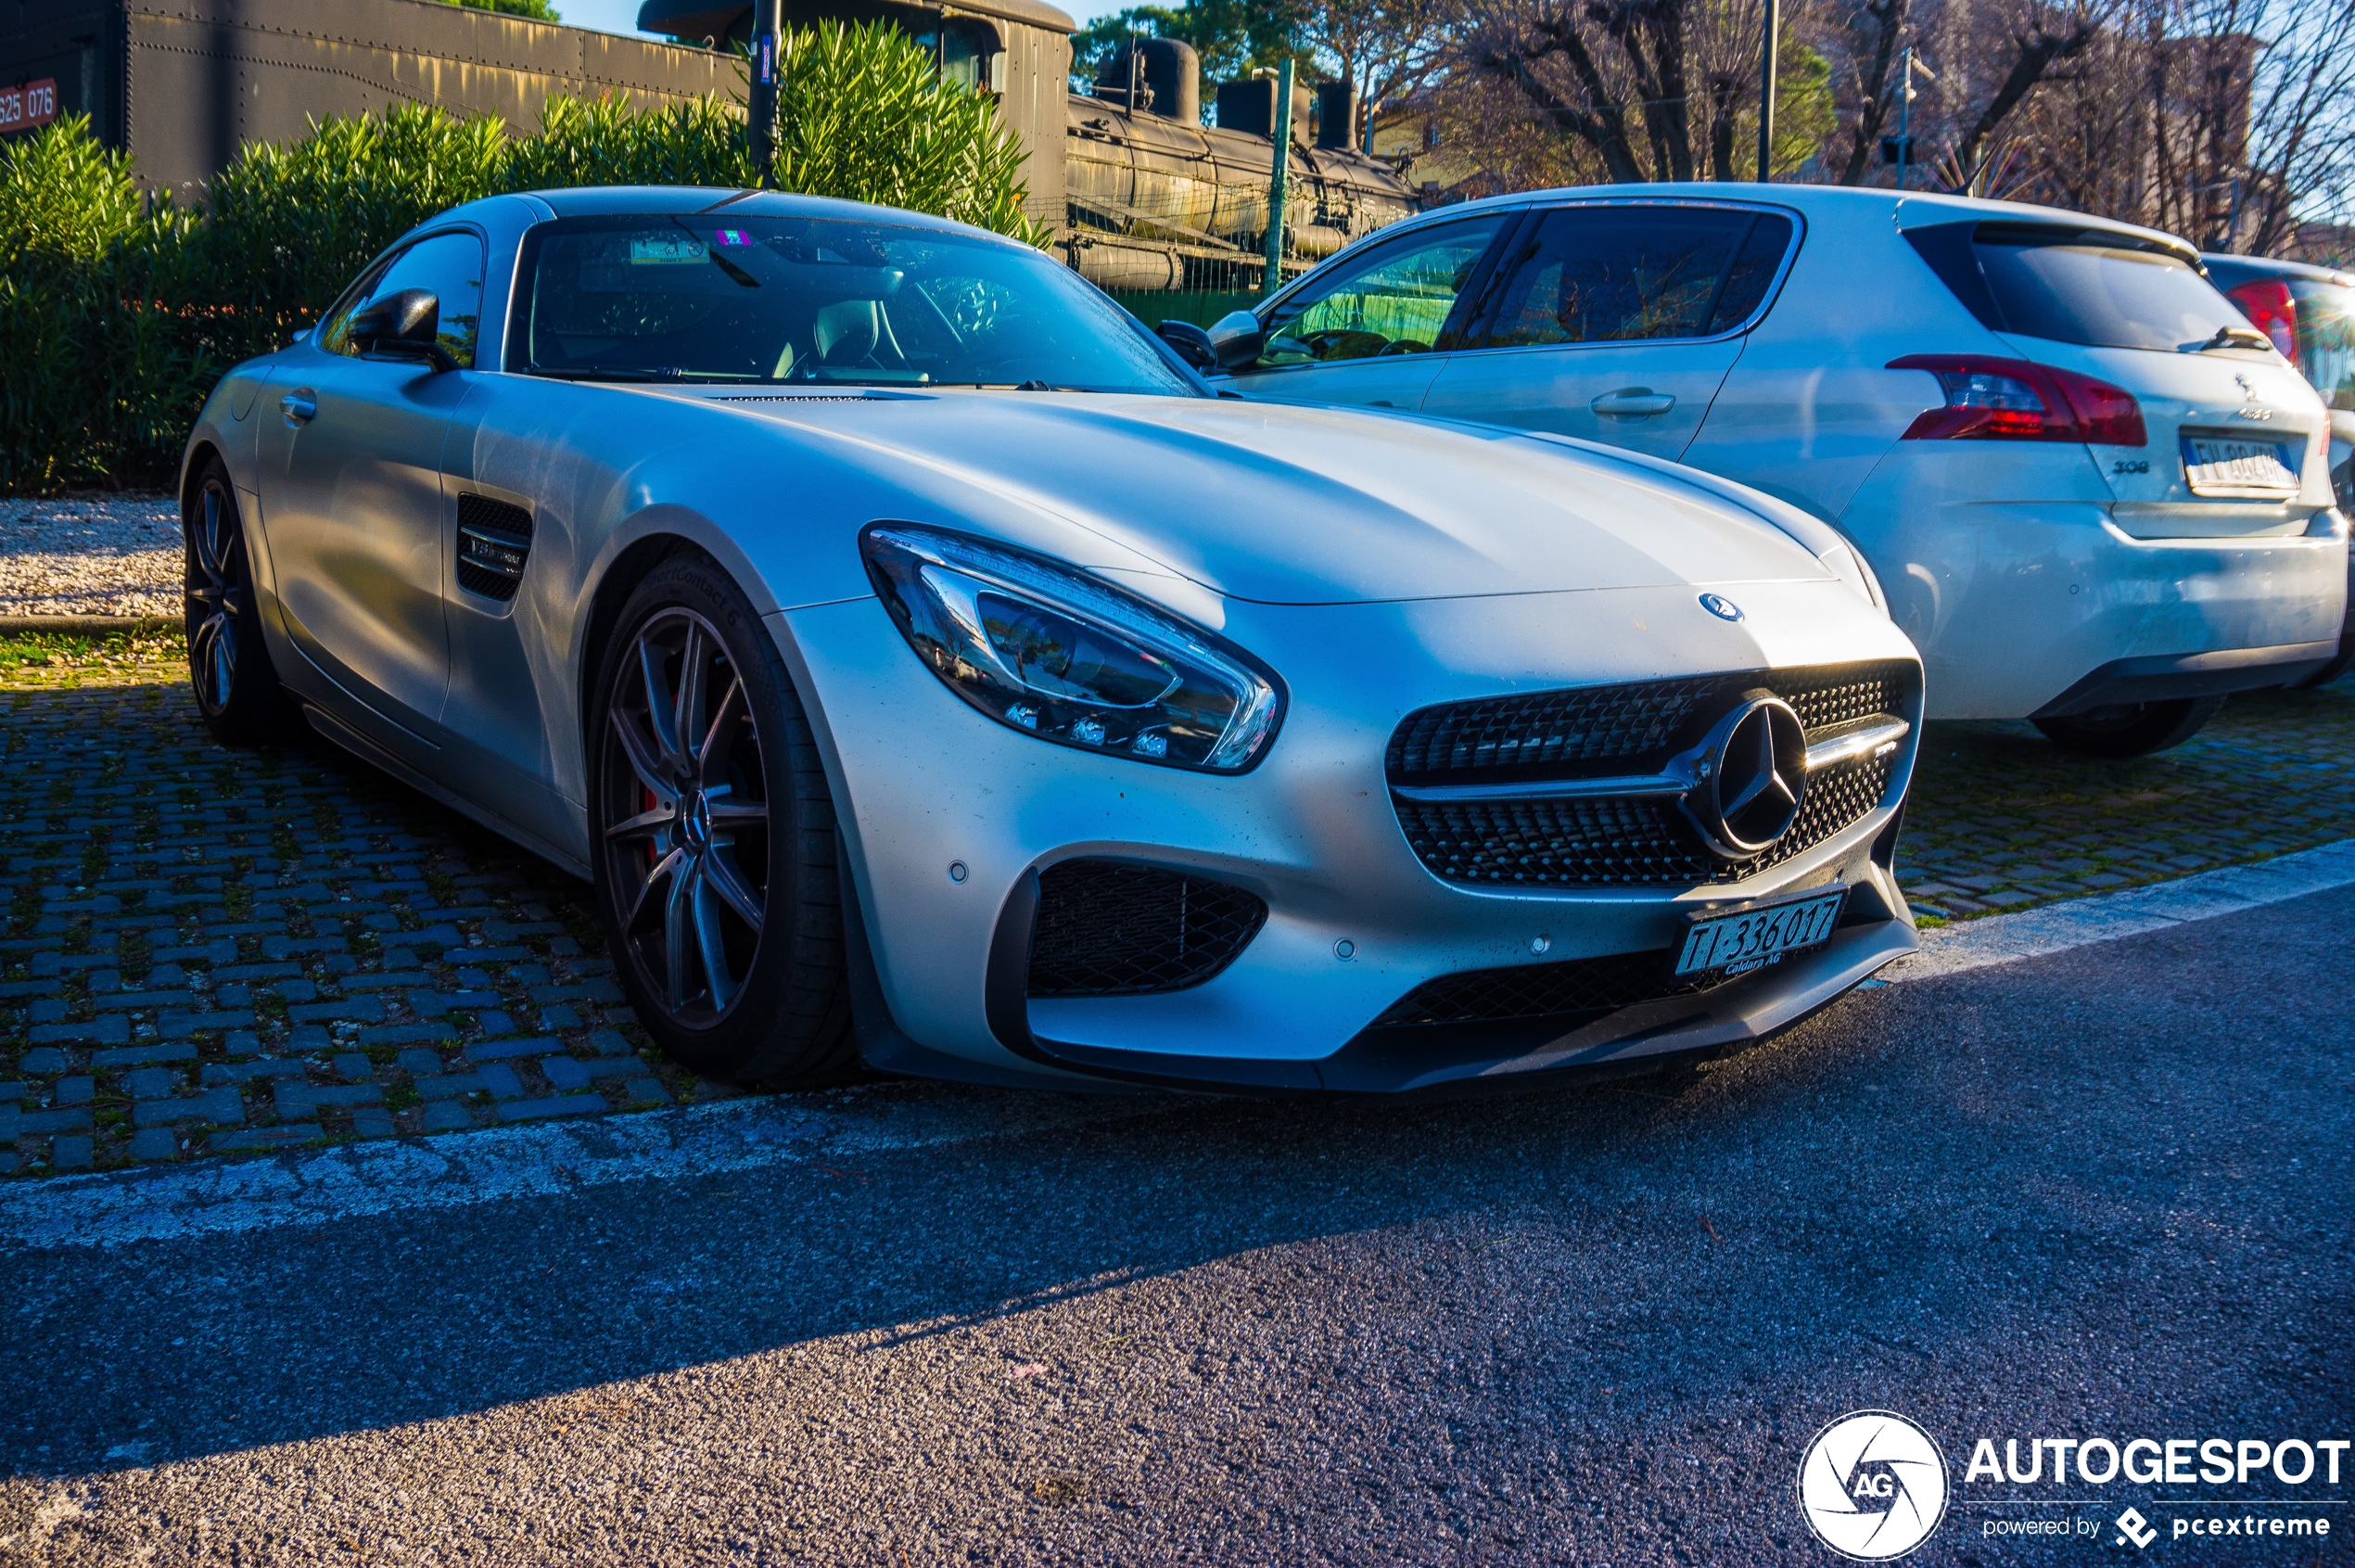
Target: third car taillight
[[2003, 400], [2268, 304]]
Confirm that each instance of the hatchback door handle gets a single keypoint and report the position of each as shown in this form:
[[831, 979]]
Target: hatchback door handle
[[300, 408], [1632, 402]]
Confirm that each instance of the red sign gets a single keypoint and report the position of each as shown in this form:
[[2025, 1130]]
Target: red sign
[[35, 103]]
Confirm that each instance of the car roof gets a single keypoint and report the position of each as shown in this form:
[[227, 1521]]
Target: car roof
[[594, 201], [2273, 266], [1827, 200]]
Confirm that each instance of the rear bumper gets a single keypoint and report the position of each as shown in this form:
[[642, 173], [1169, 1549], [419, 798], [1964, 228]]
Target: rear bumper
[[2169, 676]]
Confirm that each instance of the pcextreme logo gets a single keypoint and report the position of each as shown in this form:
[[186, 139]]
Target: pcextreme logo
[[1872, 1485]]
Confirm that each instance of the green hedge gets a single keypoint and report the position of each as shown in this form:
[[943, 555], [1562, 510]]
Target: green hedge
[[117, 316]]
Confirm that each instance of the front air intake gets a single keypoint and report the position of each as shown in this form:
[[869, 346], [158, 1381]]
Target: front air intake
[[1112, 928]]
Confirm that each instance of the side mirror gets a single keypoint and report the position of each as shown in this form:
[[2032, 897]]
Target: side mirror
[[405, 326], [1191, 342], [1235, 339], [302, 334]]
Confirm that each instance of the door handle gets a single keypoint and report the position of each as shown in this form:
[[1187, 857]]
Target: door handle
[[300, 408], [1632, 402]]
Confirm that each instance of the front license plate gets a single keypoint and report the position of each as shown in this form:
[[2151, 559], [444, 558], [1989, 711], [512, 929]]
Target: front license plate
[[1752, 939], [2219, 464]]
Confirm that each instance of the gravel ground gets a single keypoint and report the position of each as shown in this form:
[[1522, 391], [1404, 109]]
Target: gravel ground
[[2105, 1193], [118, 555]]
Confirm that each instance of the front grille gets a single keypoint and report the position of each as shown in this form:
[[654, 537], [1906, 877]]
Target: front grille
[[1544, 990], [1618, 842], [1630, 728], [1609, 731], [1108, 928]]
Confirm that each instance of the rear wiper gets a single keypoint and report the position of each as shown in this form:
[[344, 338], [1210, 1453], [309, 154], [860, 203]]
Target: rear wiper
[[711, 254], [2232, 337]]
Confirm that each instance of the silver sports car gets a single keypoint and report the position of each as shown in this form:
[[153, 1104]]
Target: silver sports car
[[929, 670]]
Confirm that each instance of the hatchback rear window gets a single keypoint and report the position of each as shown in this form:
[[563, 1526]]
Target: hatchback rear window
[[2090, 288]]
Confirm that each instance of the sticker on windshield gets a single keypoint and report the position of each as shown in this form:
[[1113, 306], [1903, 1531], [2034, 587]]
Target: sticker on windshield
[[664, 249], [731, 236]]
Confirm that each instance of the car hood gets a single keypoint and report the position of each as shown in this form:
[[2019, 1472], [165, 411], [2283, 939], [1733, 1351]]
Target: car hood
[[1283, 505]]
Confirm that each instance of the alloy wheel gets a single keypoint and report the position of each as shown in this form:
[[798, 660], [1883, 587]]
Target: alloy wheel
[[217, 597], [686, 834]]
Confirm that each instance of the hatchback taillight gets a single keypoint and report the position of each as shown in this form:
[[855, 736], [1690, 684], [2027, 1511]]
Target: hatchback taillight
[[2271, 308], [1997, 399]]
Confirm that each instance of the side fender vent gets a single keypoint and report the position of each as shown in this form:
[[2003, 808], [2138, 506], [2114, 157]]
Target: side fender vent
[[494, 539]]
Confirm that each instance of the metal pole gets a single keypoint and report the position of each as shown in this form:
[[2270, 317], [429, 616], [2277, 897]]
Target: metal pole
[[768, 21], [1273, 278], [1766, 91], [1904, 115]]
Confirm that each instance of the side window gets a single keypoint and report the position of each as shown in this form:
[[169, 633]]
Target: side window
[[1600, 275], [1394, 300], [448, 266]]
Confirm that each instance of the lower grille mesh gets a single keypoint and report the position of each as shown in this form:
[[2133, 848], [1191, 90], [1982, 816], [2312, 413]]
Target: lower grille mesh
[[1540, 990], [1618, 842], [1107, 929]]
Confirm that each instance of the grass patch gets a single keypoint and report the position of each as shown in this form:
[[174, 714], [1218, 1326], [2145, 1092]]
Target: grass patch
[[153, 654]]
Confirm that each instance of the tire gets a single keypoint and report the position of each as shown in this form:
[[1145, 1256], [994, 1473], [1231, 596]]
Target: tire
[[715, 860], [2131, 728], [236, 686]]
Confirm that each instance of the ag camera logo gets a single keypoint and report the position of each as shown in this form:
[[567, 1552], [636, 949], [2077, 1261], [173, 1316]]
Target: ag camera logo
[[1872, 1485]]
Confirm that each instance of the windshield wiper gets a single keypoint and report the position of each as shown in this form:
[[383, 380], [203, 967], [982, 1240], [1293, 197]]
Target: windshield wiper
[[618, 373], [562, 375], [2232, 337]]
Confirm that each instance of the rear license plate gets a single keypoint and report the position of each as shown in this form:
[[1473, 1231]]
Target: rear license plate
[[1751, 938], [2236, 465]]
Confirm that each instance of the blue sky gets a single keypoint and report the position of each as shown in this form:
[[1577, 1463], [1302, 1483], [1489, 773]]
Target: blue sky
[[621, 15]]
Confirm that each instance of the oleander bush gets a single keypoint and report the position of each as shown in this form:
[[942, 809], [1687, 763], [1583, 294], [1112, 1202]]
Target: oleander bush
[[118, 314]]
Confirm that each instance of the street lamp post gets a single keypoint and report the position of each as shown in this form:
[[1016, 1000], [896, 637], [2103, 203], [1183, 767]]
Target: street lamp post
[[768, 21], [1766, 91], [1273, 277]]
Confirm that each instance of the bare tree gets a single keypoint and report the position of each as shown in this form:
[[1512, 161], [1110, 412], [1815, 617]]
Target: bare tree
[[1645, 89]]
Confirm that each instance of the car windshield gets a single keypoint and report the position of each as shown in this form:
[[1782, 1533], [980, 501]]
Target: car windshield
[[2078, 287], [2327, 337], [715, 297]]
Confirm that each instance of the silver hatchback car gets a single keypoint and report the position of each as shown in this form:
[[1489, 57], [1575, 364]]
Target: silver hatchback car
[[2094, 495]]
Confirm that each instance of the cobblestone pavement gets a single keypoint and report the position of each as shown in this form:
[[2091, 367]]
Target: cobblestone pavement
[[208, 950], [2000, 818], [109, 555]]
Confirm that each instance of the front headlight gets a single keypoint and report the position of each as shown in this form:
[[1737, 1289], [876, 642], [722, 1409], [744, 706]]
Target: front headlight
[[1043, 648]]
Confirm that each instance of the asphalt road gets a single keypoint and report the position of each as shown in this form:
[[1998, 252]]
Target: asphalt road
[[2102, 1193]]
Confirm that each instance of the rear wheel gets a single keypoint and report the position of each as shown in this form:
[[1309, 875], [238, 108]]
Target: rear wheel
[[2131, 728], [237, 689], [715, 852]]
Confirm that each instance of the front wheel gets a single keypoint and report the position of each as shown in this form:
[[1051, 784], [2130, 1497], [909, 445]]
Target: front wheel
[[715, 838], [237, 689], [2131, 728]]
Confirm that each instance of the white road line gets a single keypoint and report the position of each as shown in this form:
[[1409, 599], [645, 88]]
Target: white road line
[[464, 1168], [537, 1161], [2106, 917]]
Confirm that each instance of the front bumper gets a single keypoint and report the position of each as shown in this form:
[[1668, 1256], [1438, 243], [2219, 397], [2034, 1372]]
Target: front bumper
[[1354, 921]]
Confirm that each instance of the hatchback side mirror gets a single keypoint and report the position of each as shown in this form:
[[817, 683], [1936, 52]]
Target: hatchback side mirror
[[1191, 342], [1235, 339], [405, 326]]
